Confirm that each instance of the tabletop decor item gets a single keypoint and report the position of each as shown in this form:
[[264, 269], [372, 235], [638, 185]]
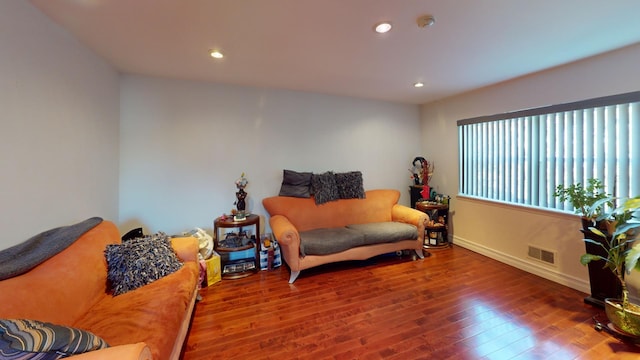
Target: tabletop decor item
[[416, 170], [421, 173], [241, 195]]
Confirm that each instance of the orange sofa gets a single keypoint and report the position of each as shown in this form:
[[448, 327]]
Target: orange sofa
[[291, 216], [70, 289]]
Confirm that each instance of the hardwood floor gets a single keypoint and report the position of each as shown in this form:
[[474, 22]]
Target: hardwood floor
[[455, 304]]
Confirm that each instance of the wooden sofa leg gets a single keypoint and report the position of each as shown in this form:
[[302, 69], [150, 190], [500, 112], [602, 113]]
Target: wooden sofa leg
[[420, 254], [294, 276]]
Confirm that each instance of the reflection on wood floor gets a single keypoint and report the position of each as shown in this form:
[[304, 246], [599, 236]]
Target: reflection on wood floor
[[455, 304]]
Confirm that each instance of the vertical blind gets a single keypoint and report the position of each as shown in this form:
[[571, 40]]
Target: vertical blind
[[521, 157]]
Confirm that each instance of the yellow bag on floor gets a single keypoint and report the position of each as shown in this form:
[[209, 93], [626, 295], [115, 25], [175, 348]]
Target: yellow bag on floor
[[214, 273]]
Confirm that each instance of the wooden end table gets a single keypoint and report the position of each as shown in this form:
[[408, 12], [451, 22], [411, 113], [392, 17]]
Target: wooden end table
[[236, 269], [435, 236]]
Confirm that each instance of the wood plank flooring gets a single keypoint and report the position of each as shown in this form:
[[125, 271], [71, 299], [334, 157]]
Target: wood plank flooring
[[455, 304]]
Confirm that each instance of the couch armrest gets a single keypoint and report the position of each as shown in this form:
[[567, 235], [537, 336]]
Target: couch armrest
[[138, 351], [186, 248], [411, 216], [288, 238]]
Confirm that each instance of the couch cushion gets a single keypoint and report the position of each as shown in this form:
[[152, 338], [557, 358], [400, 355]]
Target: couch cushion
[[32, 339], [329, 241], [384, 232], [151, 314]]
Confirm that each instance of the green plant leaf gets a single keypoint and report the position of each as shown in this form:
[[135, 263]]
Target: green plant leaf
[[631, 260], [623, 228], [597, 232], [587, 258], [588, 200], [632, 204], [594, 242]]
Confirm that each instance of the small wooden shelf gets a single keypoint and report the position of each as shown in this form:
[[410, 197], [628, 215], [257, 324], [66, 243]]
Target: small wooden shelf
[[229, 249], [226, 252], [435, 237]]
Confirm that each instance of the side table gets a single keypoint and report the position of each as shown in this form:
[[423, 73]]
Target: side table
[[436, 235], [240, 260]]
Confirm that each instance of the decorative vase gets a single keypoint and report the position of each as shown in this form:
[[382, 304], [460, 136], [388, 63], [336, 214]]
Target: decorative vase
[[241, 195], [625, 320], [426, 192], [240, 203]]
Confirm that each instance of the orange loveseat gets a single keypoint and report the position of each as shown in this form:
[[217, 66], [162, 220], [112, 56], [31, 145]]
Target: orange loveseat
[[70, 288], [291, 218]]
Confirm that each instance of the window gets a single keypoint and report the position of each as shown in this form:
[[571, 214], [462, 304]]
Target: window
[[521, 157]]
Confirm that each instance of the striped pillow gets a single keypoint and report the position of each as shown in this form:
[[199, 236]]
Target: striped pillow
[[32, 339]]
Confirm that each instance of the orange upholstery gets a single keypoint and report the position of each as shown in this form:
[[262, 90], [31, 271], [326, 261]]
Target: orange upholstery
[[151, 314], [63, 288], [118, 352], [289, 216], [71, 289], [375, 207]]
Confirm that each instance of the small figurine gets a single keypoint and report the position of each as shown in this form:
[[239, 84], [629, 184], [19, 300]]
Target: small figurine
[[241, 195], [240, 204]]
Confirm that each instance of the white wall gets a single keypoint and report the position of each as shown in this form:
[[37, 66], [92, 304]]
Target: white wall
[[183, 144], [503, 232], [59, 109]]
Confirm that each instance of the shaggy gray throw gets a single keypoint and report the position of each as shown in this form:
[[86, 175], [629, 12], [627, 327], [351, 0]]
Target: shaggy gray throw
[[23, 257]]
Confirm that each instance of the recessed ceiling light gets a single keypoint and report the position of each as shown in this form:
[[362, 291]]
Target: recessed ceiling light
[[216, 54], [382, 27], [419, 84]]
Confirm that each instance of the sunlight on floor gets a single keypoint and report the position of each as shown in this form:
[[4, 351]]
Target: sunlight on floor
[[492, 334]]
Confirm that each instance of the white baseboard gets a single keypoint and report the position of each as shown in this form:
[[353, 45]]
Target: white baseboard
[[530, 267]]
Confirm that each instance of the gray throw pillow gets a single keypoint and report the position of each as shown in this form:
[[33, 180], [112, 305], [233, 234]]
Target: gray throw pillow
[[325, 188], [296, 184], [140, 261], [350, 185]]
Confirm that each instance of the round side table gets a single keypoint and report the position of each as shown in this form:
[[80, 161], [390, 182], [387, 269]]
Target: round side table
[[436, 236], [237, 268]]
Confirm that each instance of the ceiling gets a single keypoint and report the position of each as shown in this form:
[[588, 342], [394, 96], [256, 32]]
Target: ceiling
[[329, 46]]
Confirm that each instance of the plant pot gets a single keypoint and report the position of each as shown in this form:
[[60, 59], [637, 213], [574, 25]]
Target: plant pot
[[603, 283], [625, 320]]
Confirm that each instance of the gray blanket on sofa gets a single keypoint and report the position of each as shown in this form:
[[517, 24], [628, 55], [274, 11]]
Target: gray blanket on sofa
[[25, 256]]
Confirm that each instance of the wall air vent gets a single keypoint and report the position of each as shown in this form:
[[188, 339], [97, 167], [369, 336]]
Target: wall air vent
[[545, 256]]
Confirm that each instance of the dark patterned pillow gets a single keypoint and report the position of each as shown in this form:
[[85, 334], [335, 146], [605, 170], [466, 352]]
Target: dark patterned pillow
[[296, 184], [140, 261], [324, 187], [350, 185], [32, 339]]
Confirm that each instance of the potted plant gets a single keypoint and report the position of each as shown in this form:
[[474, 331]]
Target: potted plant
[[622, 228], [590, 201]]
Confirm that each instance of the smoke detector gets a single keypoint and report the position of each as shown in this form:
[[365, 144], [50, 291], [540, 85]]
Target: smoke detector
[[426, 21]]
